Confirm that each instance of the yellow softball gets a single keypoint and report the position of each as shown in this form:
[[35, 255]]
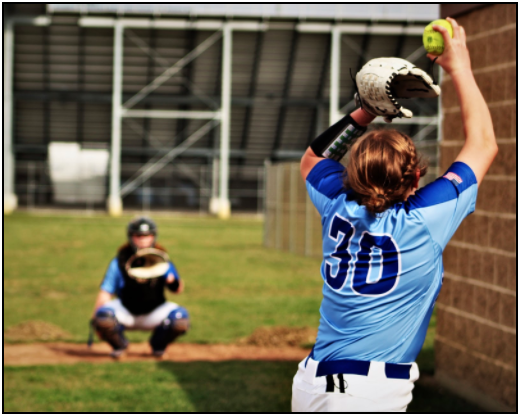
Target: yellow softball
[[432, 40]]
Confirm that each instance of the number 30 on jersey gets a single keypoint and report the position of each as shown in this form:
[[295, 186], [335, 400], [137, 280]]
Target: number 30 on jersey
[[375, 255]]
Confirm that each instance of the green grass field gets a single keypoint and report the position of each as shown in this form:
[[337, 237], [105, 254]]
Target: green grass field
[[53, 266]]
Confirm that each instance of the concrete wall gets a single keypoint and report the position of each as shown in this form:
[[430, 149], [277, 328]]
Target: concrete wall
[[476, 340]]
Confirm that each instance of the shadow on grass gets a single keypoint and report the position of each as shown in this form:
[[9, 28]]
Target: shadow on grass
[[253, 386], [236, 386], [203, 386]]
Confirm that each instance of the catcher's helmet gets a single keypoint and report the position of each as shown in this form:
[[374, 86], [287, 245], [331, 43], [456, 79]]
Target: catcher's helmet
[[141, 226]]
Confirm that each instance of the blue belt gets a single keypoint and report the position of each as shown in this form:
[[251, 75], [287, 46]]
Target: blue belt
[[325, 368]]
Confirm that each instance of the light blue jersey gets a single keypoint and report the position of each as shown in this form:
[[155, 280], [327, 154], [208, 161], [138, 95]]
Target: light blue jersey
[[382, 275]]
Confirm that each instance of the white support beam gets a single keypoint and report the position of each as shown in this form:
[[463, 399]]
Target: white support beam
[[10, 199], [170, 24], [224, 206], [335, 56], [115, 203], [360, 29], [31, 21], [193, 115]]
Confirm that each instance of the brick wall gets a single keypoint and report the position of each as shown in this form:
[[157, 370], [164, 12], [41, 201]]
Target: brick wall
[[475, 344]]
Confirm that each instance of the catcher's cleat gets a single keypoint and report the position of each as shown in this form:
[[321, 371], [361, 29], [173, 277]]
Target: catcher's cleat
[[158, 354], [117, 354]]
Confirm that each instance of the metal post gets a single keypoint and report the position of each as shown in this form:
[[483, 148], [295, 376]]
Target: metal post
[[10, 199], [224, 208], [334, 75], [260, 192], [214, 201], [114, 203]]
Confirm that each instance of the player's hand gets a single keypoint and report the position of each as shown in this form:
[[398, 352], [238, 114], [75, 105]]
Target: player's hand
[[455, 57]]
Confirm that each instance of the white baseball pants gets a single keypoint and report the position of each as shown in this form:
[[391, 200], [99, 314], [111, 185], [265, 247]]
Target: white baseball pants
[[140, 322], [372, 393]]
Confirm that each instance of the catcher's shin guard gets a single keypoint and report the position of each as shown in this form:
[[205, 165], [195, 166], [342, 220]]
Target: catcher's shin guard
[[109, 329], [176, 324]]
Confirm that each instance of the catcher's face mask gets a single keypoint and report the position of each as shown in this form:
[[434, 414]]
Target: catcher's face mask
[[140, 241]]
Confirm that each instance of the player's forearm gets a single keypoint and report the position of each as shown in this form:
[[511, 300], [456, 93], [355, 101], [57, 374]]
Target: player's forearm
[[476, 119], [334, 142], [102, 298]]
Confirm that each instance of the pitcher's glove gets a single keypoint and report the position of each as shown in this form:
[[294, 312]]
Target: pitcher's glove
[[148, 263], [382, 81]]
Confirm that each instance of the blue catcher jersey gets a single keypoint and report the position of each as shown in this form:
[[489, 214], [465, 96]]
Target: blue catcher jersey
[[113, 281], [382, 274]]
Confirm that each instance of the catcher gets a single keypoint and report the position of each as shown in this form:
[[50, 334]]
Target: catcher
[[137, 276]]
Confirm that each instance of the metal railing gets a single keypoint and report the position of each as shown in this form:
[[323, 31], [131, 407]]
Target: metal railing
[[186, 187]]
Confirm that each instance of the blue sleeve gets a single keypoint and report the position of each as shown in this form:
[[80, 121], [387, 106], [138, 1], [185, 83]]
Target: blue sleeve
[[113, 281], [172, 270], [325, 183], [444, 203]]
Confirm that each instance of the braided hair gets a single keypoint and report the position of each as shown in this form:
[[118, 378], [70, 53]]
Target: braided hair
[[382, 169]]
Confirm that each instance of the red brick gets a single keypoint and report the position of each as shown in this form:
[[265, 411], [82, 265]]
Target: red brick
[[475, 339], [480, 234], [487, 273], [488, 345], [459, 233], [449, 95], [440, 328], [508, 46], [498, 85], [506, 271], [448, 359], [512, 13], [464, 262], [450, 259], [459, 329], [487, 377], [511, 85], [493, 306], [468, 24], [505, 347], [448, 155], [452, 128], [508, 310], [502, 117], [445, 294], [513, 126], [476, 229], [505, 162], [474, 261], [487, 196], [478, 51], [503, 236], [481, 302], [500, 15], [457, 296], [508, 384], [506, 196], [485, 84]]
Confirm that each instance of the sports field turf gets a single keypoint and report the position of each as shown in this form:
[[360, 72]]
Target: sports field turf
[[52, 269]]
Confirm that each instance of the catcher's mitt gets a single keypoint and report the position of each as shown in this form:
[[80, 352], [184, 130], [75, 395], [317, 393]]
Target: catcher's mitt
[[148, 263], [382, 81]]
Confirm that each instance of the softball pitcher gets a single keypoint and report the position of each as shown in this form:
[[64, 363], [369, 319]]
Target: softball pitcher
[[138, 276], [383, 237]]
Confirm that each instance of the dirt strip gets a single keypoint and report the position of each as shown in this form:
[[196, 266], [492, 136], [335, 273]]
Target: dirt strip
[[67, 353]]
